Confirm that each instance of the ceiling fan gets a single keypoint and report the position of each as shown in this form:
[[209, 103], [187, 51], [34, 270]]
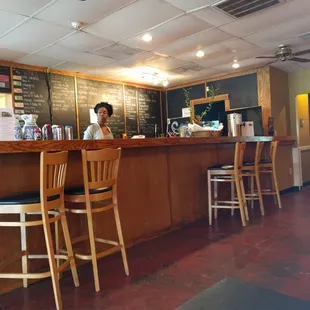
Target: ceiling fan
[[285, 53]]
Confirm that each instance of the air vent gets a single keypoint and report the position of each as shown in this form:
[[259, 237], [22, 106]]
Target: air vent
[[240, 8]]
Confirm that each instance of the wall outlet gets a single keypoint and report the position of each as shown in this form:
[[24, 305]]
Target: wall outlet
[[290, 171]]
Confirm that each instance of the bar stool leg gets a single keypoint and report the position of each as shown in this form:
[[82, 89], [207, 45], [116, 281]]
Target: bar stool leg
[[232, 196], [259, 191], [121, 239], [51, 259], [57, 246], [244, 199], [240, 201], [23, 234], [92, 244], [215, 197], [252, 191], [275, 182], [65, 229], [210, 198]]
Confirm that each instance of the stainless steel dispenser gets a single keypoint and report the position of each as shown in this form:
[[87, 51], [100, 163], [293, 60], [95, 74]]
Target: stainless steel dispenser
[[234, 121]]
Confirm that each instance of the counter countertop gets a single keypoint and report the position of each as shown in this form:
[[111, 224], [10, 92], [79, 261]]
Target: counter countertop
[[65, 145]]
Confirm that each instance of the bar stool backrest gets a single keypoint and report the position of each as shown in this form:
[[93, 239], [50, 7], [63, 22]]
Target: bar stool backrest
[[53, 169], [100, 168], [239, 153], [258, 152], [273, 151]]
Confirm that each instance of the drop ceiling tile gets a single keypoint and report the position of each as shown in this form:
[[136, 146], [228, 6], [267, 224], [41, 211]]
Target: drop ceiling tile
[[117, 51], [62, 12], [9, 20], [138, 17], [194, 42], [288, 66], [10, 55], [24, 7], [175, 29], [83, 42], [280, 32], [188, 5], [265, 19], [106, 71], [213, 17], [167, 63], [32, 36], [71, 66], [244, 64], [66, 54], [138, 59], [190, 68], [238, 45], [37, 60]]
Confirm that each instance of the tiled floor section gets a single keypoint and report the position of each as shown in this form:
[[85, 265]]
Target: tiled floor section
[[273, 252]]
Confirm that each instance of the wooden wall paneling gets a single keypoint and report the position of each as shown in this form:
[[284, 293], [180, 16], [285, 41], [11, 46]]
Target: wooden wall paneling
[[188, 181], [280, 104], [264, 95]]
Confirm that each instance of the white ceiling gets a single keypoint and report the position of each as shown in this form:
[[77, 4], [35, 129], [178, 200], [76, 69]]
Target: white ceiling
[[38, 32]]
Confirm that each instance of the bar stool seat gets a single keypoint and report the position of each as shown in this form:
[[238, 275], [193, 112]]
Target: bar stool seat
[[252, 163], [81, 190], [221, 167], [25, 199]]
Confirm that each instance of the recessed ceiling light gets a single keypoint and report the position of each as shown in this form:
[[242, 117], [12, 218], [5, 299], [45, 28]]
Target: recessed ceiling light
[[147, 37], [235, 65], [200, 54], [165, 83]]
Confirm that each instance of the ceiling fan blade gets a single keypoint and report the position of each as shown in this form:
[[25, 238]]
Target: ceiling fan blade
[[297, 59], [302, 53], [265, 57]]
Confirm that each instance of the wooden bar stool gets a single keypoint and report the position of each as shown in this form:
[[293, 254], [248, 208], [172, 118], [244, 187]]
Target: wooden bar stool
[[100, 172], [233, 175], [269, 167], [251, 170], [49, 203]]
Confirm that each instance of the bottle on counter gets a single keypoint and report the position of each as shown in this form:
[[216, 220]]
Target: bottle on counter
[[18, 132], [37, 134], [30, 125], [69, 132], [60, 132], [47, 132]]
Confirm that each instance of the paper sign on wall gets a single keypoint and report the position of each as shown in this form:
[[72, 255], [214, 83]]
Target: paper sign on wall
[[186, 112], [7, 120]]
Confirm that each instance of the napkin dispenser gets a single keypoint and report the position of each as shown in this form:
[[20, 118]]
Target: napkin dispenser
[[247, 129]]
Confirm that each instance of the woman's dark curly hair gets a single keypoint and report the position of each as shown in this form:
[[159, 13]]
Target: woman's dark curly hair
[[106, 105]]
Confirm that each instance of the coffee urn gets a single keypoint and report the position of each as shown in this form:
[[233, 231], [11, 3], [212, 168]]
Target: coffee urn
[[234, 121]]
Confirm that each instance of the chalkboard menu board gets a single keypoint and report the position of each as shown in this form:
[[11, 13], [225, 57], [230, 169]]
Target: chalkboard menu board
[[90, 92], [149, 111], [5, 80], [130, 99], [176, 98], [31, 94], [242, 90], [63, 100]]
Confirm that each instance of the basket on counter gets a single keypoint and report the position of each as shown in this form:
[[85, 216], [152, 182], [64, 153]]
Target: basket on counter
[[206, 133]]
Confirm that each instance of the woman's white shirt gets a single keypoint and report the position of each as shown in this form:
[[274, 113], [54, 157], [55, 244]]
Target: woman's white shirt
[[94, 132]]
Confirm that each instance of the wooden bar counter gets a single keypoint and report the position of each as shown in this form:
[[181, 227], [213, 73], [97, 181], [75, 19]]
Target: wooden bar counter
[[162, 184]]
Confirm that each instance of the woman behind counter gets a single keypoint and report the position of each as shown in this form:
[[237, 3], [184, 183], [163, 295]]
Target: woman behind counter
[[100, 130]]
